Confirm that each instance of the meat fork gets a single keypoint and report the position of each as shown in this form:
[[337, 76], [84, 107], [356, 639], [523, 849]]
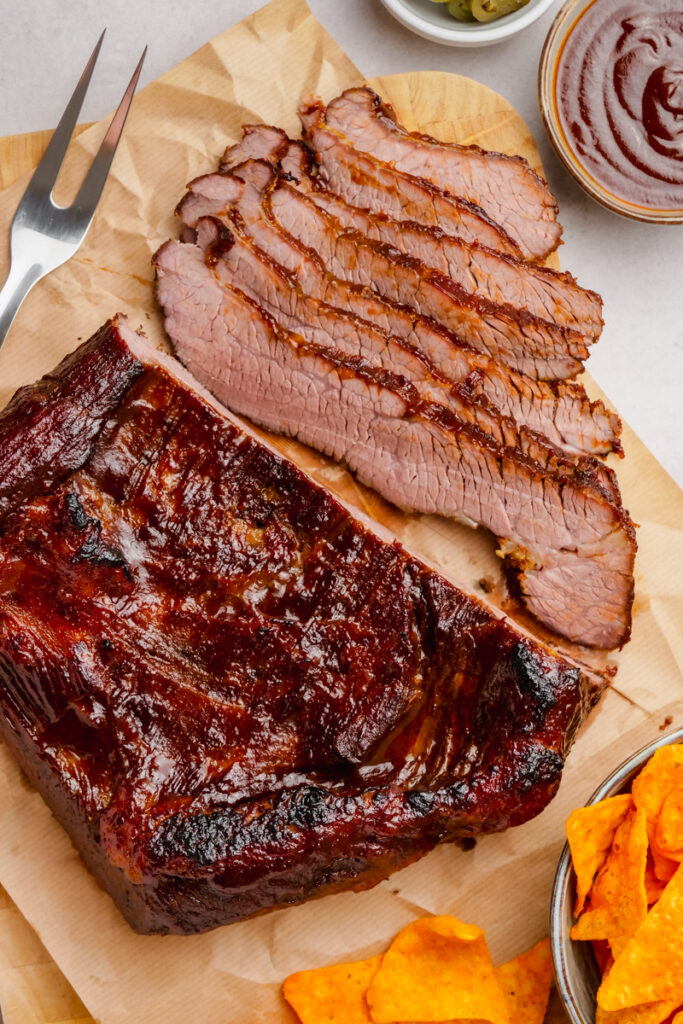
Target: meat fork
[[44, 235]]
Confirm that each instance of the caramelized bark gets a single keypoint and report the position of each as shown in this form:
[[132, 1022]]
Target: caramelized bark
[[231, 692]]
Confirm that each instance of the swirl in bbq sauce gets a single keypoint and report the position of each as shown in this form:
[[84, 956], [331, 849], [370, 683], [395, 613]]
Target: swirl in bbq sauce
[[619, 98]]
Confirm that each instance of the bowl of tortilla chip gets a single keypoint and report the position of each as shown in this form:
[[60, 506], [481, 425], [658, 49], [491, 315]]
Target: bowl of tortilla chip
[[616, 912]]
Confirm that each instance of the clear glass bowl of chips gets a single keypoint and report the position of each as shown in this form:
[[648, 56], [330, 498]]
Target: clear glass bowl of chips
[[576, 969]]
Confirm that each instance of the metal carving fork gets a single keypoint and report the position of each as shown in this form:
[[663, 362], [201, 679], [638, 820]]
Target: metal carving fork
[[44, 235]]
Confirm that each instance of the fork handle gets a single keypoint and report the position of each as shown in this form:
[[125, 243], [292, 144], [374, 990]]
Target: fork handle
[[19, 282]]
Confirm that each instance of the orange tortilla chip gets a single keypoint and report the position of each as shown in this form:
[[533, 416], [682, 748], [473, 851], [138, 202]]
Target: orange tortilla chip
[[526, 982], [590, 831], [665, 868], [650, 968], [603, 955], [654, 887], [618, 900], [669, 829], [332, 995], [648, 1013], [437, 969], [662, 773]]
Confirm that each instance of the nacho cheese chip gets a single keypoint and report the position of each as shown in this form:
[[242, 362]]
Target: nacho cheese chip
[[526, 982], [437, 969], [665, 868], [648, 1013], [618, 900], [332, 995], [590, 831], [654, 886], [669, 830], [650, 968], [662, 773]]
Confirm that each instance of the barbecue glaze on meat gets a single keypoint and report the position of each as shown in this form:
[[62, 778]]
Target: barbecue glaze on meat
[[233, 694]]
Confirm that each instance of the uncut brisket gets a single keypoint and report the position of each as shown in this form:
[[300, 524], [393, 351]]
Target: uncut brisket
[[232, 692]]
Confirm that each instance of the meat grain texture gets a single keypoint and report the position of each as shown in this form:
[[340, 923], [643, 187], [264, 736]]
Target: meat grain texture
[[392, 287]]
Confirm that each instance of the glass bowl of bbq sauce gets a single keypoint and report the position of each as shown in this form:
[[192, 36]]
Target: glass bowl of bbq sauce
[[611, 96]]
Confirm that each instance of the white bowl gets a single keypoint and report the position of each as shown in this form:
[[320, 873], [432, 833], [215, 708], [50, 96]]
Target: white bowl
[[432, 21]]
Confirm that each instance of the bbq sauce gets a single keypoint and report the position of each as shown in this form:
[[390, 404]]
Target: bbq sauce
[[619, 98]]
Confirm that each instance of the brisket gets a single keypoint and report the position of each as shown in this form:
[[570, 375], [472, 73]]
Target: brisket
[[233, 693], [559, 410], [424, 297], [505, 281], [367, 183], [505, 187], [416, 454], [237, 261]]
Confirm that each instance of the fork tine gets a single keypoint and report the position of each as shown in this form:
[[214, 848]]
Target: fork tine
[[47, 170], [91, 189]]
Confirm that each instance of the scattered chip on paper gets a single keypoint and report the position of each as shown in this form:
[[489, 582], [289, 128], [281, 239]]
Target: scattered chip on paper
[[332, 995], [437, 969], [526, 983]]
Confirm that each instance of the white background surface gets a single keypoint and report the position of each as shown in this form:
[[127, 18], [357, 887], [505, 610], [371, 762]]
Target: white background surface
[[637, 268]]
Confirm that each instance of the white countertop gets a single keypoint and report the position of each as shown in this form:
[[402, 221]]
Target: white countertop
[[637, 268]]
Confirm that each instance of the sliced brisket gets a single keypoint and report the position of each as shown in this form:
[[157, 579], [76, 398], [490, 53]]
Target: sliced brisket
[[505, 187], [204, 712], [281, 217], [559, 410], [236, 260], [503, 280], [367, 183], [417, 455]]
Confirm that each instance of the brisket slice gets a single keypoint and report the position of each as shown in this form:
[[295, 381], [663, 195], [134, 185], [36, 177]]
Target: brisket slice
[[325, 258], [559, 410], [505, 187], [238, 262], [572, 548], [240, 695], [510, 335], [546, 294], [367, 183]]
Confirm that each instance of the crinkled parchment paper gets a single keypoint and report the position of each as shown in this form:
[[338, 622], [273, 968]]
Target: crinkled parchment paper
[[179, 125]]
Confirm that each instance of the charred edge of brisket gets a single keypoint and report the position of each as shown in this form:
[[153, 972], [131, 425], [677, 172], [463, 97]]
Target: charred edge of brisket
[[47, 429], [209, 838], [93, 550]]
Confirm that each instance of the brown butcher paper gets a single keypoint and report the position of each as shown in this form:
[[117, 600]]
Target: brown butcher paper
[[178, 127]]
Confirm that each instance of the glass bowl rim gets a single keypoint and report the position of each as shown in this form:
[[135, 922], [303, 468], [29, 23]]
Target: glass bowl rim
[[562, 25]]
